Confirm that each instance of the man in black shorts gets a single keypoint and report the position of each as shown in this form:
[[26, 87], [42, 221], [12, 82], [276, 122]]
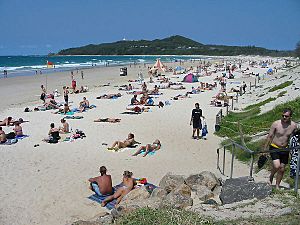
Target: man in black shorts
[[196, 120], [278, 138]]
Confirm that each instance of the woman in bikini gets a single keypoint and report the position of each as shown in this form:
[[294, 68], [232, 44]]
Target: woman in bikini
[[18, 129], [128, 184], [123, 144], [149, 148]]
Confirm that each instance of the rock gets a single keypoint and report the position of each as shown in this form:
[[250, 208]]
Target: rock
[[131, 205], [179, 197], [169, 182], [239, 189], [138, 193], [82, 222], [203, 193], [108, 219], [158, 192], [205, 178]]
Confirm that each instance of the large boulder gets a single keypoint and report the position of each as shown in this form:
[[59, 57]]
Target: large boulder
[[203, 193], [243, 188], [204, 178], [129, 206], [180, 197], [158, 192], [137, 194], [169, 182]]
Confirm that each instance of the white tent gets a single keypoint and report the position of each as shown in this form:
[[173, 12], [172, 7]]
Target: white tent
[[158, 66]]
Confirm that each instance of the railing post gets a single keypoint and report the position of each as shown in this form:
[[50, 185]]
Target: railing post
[[232, 103], [251, 165], [232, 158], [237, 97], [255, 82], [297, 173], [218, 161], [224, 160], [250, 85], [227, 109]]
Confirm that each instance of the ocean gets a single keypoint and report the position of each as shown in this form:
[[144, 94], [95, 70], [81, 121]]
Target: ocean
[[30, 65]]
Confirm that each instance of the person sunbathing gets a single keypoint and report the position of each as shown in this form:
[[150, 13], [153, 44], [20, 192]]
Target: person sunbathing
[[109, 96], [51, 103], [155, 146], [109, 120], [177, 87], [65, 110], [53, 134], [83, 105], [128, 184], [138, 109], [18, 129], [2, 136], [129, 141], [65, 127], [7, 121]]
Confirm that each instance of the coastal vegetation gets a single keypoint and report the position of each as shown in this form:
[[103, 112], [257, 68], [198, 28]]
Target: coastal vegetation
[[281, 86], [174, 45], [249, 107]]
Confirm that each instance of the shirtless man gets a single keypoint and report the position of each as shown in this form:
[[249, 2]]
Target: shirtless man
[[65, 127], [278, 138], [84, 104], [66, 94], [128, 184], [7, 121], [119, 144], [102, 185], [2, 136]]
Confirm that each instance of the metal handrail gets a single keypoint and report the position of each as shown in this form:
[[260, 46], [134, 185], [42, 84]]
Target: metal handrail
[[233, 145]]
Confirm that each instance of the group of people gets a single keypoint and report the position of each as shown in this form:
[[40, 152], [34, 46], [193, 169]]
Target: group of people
[[102, 185], [17, 130]]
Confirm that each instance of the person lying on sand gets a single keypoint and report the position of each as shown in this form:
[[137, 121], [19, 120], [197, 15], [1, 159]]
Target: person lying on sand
[[18, 129], [109, 96], [177, 87], [65, 110], [101, 185], [65, 127], [7, 121], [129, 141], [128, 184], [109, 120], [138, 109], [149, 148], [84, 104], [2, 136]]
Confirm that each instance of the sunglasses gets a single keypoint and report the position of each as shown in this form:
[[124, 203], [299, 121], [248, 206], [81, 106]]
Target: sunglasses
[[285, 116]]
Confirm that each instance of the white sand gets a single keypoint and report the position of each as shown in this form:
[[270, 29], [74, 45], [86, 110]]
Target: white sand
[[48, 184]]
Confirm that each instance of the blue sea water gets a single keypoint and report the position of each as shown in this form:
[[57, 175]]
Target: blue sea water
[[28, 65]]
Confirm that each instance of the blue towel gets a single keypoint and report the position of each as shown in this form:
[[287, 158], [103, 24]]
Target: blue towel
[[20, 137]]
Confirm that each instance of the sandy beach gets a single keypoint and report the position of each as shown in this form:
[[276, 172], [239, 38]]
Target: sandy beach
[[48, 184]]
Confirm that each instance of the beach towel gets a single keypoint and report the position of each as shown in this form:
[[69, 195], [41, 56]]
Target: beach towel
[[68, 113], [10, 142], [20, 137], [150, 153], [73, 117], [131, 113]]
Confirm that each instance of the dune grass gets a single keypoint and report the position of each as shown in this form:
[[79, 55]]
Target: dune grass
[[281, 86], [281, 94], [249, 107]]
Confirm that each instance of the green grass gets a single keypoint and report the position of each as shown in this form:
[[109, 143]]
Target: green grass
[[164, 216], [281, 86], [249, 107], [252, 122], [281, 94]]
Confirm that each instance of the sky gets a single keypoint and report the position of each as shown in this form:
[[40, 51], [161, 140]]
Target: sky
[[38, 27]]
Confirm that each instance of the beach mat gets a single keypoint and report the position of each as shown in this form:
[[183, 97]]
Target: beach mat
[[73, 117], [21, 137]]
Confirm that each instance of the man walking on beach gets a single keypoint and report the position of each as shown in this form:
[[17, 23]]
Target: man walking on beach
[[102, 185], [196, 120], [278, 138]]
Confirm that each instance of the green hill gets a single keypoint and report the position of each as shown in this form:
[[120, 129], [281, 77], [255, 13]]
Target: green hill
[[174, 45]]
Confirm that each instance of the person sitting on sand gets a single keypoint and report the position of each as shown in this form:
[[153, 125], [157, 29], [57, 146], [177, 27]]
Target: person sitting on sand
[[65, 110], [7, 121], [134, 100], [53, 134], [155, 90], [18, 129], [2, 136], [144, 87], [101, 185], [65, 127], [109, 120], [149, 148], [84, 104], [129, 141], [128, 184]]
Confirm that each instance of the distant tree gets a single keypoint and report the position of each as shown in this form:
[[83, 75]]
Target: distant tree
[[297, 50]]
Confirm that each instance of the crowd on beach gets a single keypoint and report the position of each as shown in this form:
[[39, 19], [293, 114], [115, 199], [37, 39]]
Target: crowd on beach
[[149, 92]]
